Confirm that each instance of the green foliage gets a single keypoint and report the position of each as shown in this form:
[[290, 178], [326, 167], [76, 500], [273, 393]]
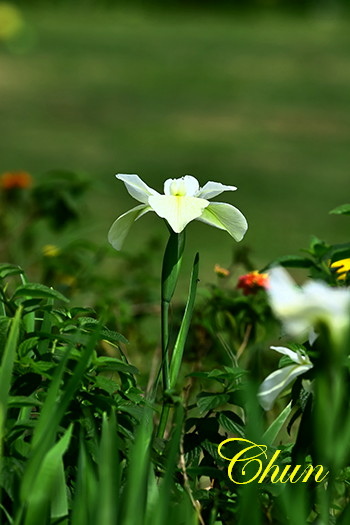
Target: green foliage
[[235, 4], [320, 261], [78, 428], [56, 386], [344, 209]]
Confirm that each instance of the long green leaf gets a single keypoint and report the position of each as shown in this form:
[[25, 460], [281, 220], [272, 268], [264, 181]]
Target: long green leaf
[[7, 270], [343, 209], [44, 434], [172, 264], [163, 509], [172, 261], [185, 325], [47, 489], [273, 430], [38, 291], [43, 345], [52, 412], [134, 504], [7, 365], [85, 500], [108, 464]]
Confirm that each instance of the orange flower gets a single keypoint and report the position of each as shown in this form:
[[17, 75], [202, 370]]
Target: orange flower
[[15, 179], [252, 282], [220, 271]]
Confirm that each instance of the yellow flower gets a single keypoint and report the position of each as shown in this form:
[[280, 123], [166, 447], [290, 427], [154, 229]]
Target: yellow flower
[[341, 268], [11, 21], [68, 280], [220, 271], [50, 250]]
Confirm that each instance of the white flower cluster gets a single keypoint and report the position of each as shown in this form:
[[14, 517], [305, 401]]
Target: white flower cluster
[[301, 310]]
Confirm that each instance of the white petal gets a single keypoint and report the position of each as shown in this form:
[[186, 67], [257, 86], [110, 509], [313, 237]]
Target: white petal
[[186, 185], [225, 217], [280, 279], [212, 189], [294, 356], [331, 302], [136, 187], [285, 296], [300, 309], [312, 336], [273, 385], [122, 225], [178, 211]]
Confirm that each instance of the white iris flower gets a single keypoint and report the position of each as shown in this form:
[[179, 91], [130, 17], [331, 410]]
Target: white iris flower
[[276, 382], [183, 201], [302, 308]]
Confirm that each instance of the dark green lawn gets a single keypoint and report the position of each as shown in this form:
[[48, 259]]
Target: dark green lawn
[[262, 103]]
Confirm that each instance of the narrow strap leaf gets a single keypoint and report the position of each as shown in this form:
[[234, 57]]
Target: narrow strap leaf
[[185, 325], [271, 433]]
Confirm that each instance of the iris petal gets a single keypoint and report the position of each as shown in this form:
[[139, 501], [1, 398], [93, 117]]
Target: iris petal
[[225, 217], [187, 185], [122, 225], [298, 358], [178, 211], [278, 381], [136, 187], [212, 189], [301, 309]]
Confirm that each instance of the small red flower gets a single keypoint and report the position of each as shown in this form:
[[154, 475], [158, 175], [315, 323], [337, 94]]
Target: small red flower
[[251, 282], [15, 179]]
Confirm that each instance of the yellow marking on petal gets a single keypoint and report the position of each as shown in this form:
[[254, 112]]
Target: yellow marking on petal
[[178, 211]]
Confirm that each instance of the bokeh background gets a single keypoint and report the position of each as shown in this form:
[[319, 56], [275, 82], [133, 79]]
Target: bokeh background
[[254, 94]]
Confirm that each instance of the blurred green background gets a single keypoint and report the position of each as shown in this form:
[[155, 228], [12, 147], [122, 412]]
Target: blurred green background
[[259, 99]]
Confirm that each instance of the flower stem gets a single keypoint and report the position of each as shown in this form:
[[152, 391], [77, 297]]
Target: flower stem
[[163, 419], [170, 272], [176, 358], [165, 344]]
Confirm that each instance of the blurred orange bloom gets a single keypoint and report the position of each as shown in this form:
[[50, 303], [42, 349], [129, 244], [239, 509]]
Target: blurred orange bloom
[[15, 179], [251, 282], [220, 271]]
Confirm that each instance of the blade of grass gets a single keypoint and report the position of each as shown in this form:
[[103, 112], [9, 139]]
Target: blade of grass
[[164, 510], [108, 464], [134, 505], [46, 487], [273, 430], [52, 412], [6, 369], [59, 502], [43, 345], [85, 500], [28, 319]]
